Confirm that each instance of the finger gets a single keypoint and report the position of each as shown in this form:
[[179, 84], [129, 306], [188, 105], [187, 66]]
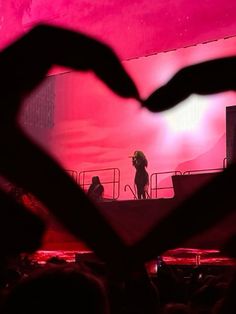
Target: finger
[[163, 99], [173, 92], [204, 78], [29, 59]]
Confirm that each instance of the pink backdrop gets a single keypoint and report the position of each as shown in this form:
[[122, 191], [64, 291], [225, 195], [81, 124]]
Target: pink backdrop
[[95, 129], [132, 28]]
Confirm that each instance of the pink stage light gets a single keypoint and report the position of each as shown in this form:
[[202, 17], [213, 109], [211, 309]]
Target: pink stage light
[[94, 129]]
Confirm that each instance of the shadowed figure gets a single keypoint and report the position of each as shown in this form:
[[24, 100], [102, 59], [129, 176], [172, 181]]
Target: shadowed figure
[[141, 179], [96, 189]]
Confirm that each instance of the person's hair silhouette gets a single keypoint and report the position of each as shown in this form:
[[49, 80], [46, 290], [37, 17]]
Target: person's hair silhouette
[[58, 289], [96, 189]]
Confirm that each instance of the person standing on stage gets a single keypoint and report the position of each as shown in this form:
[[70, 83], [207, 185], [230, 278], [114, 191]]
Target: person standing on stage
[[141, 179]]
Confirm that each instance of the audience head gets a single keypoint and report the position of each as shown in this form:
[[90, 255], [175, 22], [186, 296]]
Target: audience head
[[58, 289], [176, 308], [96, 180]]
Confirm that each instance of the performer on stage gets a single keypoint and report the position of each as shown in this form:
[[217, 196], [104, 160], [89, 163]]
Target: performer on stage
[[96, 189], [141, 179]]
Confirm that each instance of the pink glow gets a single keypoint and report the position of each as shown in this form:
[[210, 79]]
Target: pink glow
[[95, 129], [173, 257], [149, 26]]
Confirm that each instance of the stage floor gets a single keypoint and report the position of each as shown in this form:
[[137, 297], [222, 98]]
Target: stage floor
[[180, 256]]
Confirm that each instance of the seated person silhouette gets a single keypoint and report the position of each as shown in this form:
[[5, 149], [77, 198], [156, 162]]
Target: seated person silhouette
[[96, 189]]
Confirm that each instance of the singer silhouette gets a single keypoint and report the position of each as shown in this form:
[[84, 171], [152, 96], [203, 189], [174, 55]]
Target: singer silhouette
[[141, 179]]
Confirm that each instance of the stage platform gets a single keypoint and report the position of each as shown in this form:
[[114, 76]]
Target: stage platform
[[181, 256], [132, 219]]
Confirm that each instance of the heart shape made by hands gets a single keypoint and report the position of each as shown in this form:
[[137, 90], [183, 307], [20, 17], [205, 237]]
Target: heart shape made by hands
[[23, 66]]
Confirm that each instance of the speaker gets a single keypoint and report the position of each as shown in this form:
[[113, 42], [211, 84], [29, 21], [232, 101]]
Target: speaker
[[185, 185]]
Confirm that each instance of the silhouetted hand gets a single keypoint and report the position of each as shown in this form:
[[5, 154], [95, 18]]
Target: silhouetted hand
[[205, 78], [214, 201], [23, 65]]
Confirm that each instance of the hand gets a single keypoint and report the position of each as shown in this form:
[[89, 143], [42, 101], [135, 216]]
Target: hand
[[205, 78]]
